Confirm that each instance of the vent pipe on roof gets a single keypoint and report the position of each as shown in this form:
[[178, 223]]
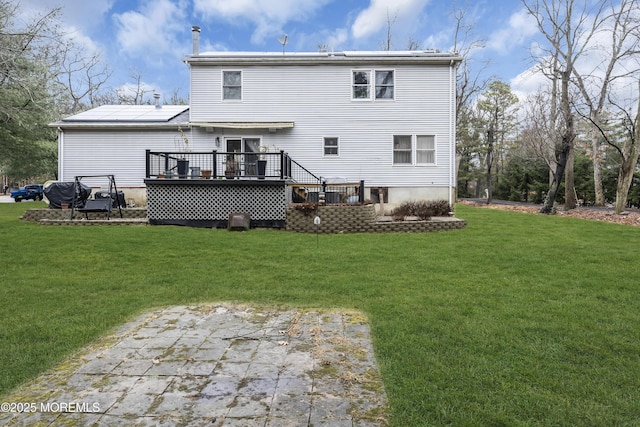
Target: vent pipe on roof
[[195, 31], [156, 96]]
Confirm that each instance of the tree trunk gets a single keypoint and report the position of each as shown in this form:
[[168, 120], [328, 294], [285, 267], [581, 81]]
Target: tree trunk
[[628, 166], [567, 145], [489, 164], [549, 201], [597, 172], [570, 201], [625, 177]]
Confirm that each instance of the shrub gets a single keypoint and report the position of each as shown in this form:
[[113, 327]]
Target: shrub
[[423, 209]]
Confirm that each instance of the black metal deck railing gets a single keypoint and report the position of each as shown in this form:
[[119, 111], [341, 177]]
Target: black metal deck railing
[[307, 187], [219, 164]]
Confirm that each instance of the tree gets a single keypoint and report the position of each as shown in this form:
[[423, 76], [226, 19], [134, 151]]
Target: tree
[[82, 78], [626, 145], [568, 33], [497, 115], [27, 63], [621, 33], [469, 84]]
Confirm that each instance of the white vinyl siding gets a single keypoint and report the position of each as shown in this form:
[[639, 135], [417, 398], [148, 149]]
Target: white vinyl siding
[[319, 100]]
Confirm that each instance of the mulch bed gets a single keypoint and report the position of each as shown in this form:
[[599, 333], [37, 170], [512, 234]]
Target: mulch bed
[[630, 217]]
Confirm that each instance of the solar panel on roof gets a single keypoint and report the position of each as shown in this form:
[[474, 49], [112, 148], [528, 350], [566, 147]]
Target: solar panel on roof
[[130, 113]]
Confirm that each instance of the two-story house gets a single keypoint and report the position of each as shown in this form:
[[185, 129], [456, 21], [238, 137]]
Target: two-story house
[[387, 118]]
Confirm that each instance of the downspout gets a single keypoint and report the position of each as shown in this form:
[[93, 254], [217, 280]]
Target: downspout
[[60, 153], [452, 130]]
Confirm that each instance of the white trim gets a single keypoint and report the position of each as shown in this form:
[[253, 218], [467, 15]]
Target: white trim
[[60, 153]]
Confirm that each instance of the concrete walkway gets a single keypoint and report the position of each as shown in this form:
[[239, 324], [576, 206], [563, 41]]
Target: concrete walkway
[[215, 365]]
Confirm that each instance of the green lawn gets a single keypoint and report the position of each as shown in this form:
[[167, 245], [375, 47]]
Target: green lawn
[[518, 319]]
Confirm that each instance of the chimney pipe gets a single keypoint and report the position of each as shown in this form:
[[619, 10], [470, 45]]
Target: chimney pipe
[[156, 96], [195, 31]]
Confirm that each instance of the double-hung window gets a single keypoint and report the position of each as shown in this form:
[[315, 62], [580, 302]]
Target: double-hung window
[[414, 150], [402, 152], [425, 150], [231, 85], [361, 85], [384, 84]]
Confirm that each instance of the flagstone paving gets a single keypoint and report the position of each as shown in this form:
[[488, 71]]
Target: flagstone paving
[[215, 365]]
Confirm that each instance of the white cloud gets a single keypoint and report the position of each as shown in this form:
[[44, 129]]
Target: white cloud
[[374, 18], [268, 16], [151, 29], [519, 30], [81, 14]]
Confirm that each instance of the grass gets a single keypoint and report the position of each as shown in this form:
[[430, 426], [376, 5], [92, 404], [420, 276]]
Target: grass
[[518, 319]]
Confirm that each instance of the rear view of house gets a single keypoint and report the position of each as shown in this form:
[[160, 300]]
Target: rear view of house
[[386, 119]]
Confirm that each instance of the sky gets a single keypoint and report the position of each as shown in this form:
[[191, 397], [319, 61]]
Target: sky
[[149, 38]]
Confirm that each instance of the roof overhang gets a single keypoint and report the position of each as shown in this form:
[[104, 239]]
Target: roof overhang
[[325, 58], [244, 125]]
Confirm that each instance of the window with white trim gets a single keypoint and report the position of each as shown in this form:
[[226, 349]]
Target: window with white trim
[[232, 85], [331, 146], [402, 150], [361, 80], [384, 84], [425, 150], [414, 150]]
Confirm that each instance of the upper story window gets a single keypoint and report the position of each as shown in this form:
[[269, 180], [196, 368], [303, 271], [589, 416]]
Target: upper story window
[[380, 83], [384, 84], [361, 84], [330, 146], [232, 85]]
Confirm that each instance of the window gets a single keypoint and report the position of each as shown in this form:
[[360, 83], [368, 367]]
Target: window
[[402, 150], [425, 149], [231, 85], [331, 146], [406, 153], [361, 84], [384, 84]]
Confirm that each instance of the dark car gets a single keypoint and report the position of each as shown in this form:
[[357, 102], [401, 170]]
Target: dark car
[[28, 192]]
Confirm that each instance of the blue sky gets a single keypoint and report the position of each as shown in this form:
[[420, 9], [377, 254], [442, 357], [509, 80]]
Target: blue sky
[[150, 37]]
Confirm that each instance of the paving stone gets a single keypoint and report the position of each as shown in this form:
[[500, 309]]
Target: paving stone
[[223, 365]]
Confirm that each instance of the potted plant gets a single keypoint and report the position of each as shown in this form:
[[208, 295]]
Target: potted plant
[[183, 147], [262, 162]]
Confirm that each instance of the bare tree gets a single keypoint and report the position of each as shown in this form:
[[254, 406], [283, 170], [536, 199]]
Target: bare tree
[[133, 94], [621, 33], [84, 77], [626, 145], [497, 108], [386, 44], [469, 83], [568, 33]]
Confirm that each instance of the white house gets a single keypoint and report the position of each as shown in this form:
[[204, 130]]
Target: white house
[[387, 118]]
